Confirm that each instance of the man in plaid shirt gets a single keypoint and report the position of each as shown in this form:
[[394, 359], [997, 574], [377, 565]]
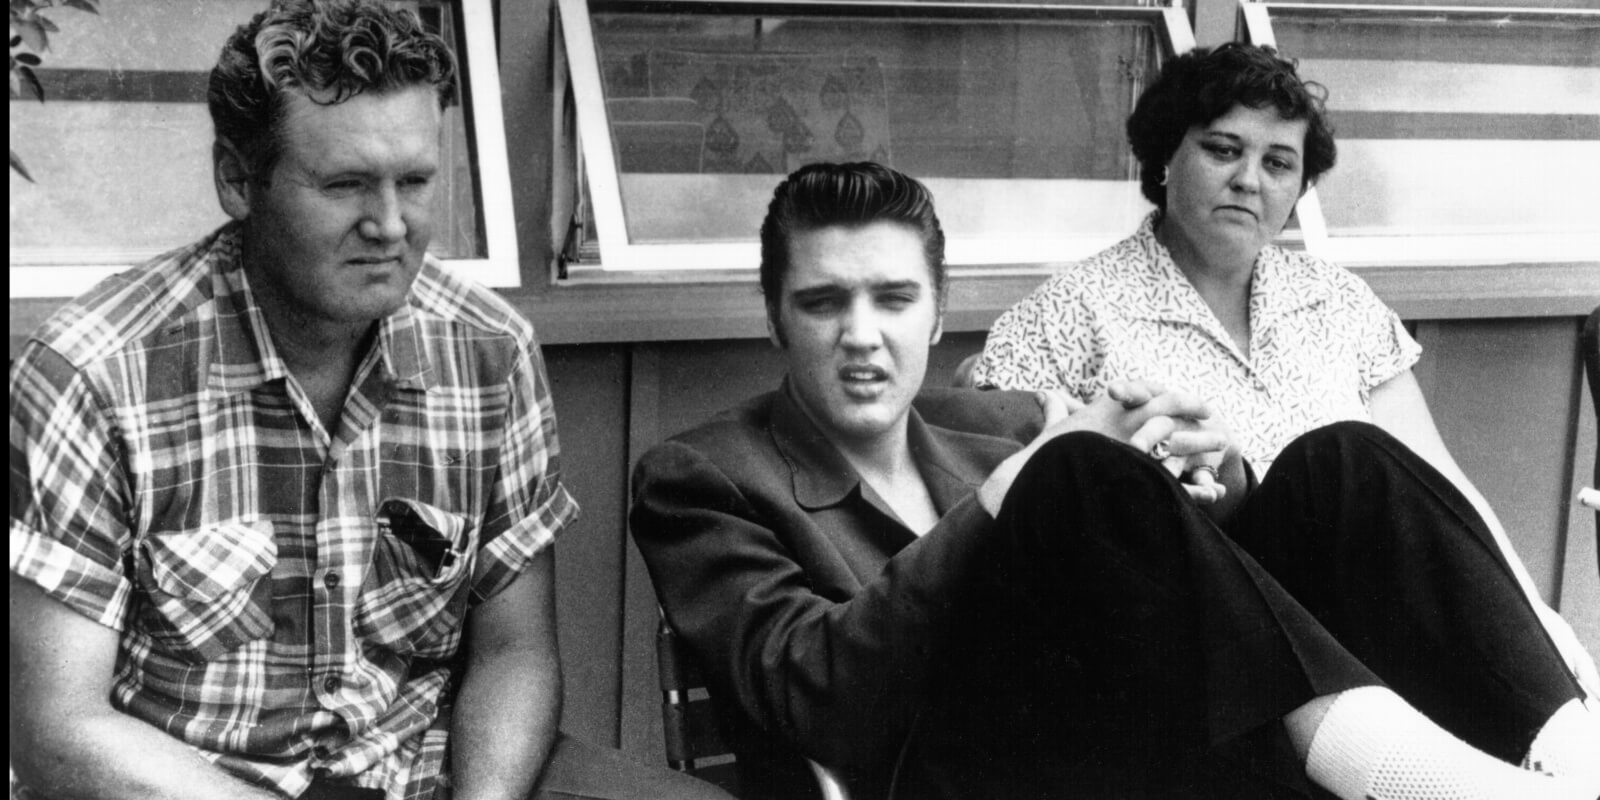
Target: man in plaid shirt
[[283, 501]]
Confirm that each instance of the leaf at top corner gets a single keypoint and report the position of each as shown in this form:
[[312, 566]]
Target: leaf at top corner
[[33, 34], [16, 164], [82, 5]]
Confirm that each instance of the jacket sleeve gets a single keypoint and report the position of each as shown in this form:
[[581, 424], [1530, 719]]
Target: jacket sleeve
[[838, 679]]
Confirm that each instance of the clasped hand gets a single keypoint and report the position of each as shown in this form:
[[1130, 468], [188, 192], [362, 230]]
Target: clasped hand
[[1197, 446]]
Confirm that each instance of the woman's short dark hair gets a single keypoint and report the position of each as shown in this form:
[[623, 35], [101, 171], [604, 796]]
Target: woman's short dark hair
[[1204, 84], [331, 50], [850, 195]]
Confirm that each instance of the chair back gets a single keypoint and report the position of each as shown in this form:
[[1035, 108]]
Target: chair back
[[688, 720], [693, 738]]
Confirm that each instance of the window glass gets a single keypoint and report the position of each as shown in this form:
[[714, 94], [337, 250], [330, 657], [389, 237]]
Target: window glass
[[120, 150], [1016, 125], [1448, 133]]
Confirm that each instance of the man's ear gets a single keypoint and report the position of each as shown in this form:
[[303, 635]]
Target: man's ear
[[231, 173], [938, 329]]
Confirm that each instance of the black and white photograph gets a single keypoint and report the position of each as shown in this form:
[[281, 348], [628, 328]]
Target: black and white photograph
[[804, 399]]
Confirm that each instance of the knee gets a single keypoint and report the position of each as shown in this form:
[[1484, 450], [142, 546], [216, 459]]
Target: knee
[[1349, 441], [1345, 433], [1085, 458], [1083, 487]]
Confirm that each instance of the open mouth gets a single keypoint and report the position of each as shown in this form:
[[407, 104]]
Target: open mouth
[[863, 373], [863, 378]]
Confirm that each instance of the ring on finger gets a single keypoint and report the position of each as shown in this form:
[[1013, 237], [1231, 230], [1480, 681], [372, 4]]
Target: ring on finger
[[1206, 468], [1160, 451]]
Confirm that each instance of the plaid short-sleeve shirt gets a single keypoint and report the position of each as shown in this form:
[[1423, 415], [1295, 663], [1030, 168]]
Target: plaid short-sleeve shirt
[[170, 480], [1320, 340]]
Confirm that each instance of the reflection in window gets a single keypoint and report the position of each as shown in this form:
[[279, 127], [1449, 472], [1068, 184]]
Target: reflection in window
[[121, 147], [1016, 125], [1468, 147]]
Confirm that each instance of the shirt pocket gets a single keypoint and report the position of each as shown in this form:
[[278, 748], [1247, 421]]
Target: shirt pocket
[[413, 603], [209, 588]]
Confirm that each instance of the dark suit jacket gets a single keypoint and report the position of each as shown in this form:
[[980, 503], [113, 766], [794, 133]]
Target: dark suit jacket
[[813, 610]]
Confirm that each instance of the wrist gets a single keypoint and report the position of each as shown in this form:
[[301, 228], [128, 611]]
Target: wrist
[[992, 494]]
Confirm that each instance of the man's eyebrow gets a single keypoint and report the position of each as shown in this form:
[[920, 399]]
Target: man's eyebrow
[[830, 289], [894, 286], [819, 290]]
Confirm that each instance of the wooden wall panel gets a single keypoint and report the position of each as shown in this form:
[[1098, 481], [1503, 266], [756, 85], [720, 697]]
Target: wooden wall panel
[[1501, 395], [1505, 398], [589, 387]]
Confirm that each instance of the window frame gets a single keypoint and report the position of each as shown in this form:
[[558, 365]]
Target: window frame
[[1441, 252], [621, 260], [64, 272]]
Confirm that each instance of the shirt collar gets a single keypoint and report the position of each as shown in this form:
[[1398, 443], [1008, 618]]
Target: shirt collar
[[245, 357], [1279, 284], [1167, 295], [1283, 284], [822, 477]]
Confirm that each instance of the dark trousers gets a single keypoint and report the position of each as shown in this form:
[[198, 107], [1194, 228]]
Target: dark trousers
[[1118, 644]]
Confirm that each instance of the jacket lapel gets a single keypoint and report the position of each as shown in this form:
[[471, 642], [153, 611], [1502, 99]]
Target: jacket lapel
[[821, 475]]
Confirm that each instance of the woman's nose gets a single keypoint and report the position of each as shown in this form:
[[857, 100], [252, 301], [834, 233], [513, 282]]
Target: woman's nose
[[1247, 176]]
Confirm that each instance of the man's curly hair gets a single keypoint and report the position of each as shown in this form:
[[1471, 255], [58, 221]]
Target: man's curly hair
[[329, 50]]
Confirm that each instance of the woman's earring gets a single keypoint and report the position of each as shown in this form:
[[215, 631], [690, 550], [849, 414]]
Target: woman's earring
[[1163, 176]]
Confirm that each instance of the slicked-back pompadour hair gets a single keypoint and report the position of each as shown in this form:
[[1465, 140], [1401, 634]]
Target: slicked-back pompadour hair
[[329, 50], [1204, 84], [852, 195]]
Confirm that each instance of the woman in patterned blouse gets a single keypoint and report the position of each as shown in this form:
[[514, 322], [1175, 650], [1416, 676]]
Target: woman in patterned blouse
[[1200, 299]]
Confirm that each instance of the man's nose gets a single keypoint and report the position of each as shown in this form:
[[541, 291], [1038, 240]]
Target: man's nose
[[860, 327], [383, 218]]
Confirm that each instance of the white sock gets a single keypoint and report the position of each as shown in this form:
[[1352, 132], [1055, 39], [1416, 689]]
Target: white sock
[[1568, 745], [1372, 745]]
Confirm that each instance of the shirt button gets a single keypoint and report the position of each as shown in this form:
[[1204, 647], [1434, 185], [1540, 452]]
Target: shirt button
[[330, 684], [331, 580]]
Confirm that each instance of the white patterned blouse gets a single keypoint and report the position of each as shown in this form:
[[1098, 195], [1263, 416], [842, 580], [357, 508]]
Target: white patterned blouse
[[1320, 340]]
